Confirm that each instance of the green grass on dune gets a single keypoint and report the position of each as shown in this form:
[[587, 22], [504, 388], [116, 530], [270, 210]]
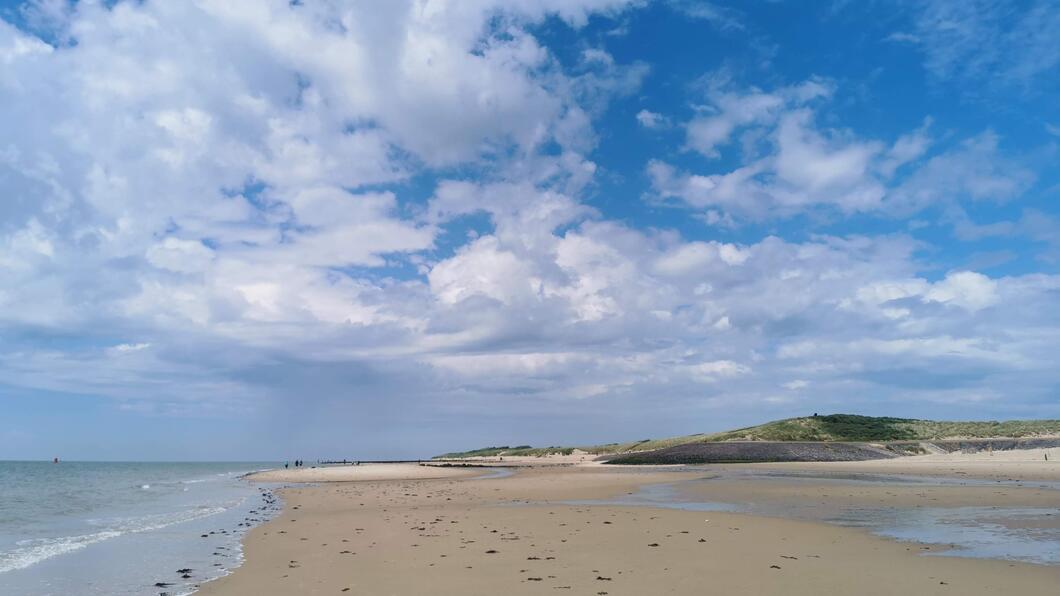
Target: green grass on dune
[[832, 427], [849, 427], [522, 450]]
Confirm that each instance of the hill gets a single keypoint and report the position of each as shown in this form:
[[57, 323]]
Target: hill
[[825, 428]]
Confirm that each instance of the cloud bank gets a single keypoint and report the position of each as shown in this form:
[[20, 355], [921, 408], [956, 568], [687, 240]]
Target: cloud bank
[[380, 213]]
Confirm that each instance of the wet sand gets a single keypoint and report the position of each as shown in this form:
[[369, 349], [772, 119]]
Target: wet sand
[[514, 535]]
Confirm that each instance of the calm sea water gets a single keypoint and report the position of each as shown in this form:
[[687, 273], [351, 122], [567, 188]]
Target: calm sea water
[[1024, 534], [120, 528]]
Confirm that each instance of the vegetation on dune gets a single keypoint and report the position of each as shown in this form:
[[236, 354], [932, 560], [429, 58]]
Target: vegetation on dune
[[521, 450], [849, 427], [642, 445], [831, 427]]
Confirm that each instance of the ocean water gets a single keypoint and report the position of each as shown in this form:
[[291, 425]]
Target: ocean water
[[1025, 534], [121, 528]]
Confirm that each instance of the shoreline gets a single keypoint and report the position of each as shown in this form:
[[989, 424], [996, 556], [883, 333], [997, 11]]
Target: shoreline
[[436, 534], [126, 526]]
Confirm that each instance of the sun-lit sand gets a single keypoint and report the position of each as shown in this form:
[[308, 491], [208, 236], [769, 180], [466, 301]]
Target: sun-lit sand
[[1044, 456], [514, 535], [1040, 464], [363, 472], [578, 457]]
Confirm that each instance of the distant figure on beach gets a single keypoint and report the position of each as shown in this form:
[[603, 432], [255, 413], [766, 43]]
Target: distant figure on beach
[[55, 460], [284, 465]]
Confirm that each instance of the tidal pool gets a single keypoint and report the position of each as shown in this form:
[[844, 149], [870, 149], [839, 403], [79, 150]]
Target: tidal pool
[[1027, 534]]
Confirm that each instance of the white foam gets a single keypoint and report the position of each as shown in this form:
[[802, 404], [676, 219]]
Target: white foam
[[34, 551]]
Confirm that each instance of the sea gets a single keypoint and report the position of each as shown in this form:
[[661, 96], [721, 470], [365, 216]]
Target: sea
[[120, 528]]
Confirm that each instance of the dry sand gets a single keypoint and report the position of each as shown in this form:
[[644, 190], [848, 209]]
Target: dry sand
[[513, 536], [578, 458], [1021, 464], [363, 472]]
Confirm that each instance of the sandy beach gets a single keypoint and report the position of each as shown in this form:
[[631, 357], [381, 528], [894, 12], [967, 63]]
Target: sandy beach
[[518, 535], [1023, 464], [362, 473]]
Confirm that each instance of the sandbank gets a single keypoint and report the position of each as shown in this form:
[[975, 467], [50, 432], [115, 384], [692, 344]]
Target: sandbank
[[362, 473], [515, 535]]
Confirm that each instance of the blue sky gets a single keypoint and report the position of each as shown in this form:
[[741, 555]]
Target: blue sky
[[274, 230]]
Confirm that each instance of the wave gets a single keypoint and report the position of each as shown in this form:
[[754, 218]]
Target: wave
[[33, 551], [46, 548]]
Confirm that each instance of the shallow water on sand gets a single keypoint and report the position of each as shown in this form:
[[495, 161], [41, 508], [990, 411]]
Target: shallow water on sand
[[1027, 534], [119, 528]]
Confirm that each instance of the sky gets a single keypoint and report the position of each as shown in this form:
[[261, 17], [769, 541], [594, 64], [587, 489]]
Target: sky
[[262, 229]]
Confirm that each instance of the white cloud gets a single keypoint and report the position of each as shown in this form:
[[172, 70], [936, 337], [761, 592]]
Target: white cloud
[[718, 369], [822, 170], [975, 170], [966, 289], [649, 119], [987, 40], [185, 256], [790, 165], [686, 258], [903, 37], [387, 207], [722, 17], [126, 348], [729, 111], [907, 148], [483, 269]]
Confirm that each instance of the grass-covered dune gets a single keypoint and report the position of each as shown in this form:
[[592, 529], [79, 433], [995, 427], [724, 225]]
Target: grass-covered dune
[[831, 427], [522, 450]]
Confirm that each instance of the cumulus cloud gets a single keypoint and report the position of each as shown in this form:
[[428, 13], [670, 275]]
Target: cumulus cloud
[[357, 212], [649, 119], [966, 289], [789, 164], [730, 110]]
